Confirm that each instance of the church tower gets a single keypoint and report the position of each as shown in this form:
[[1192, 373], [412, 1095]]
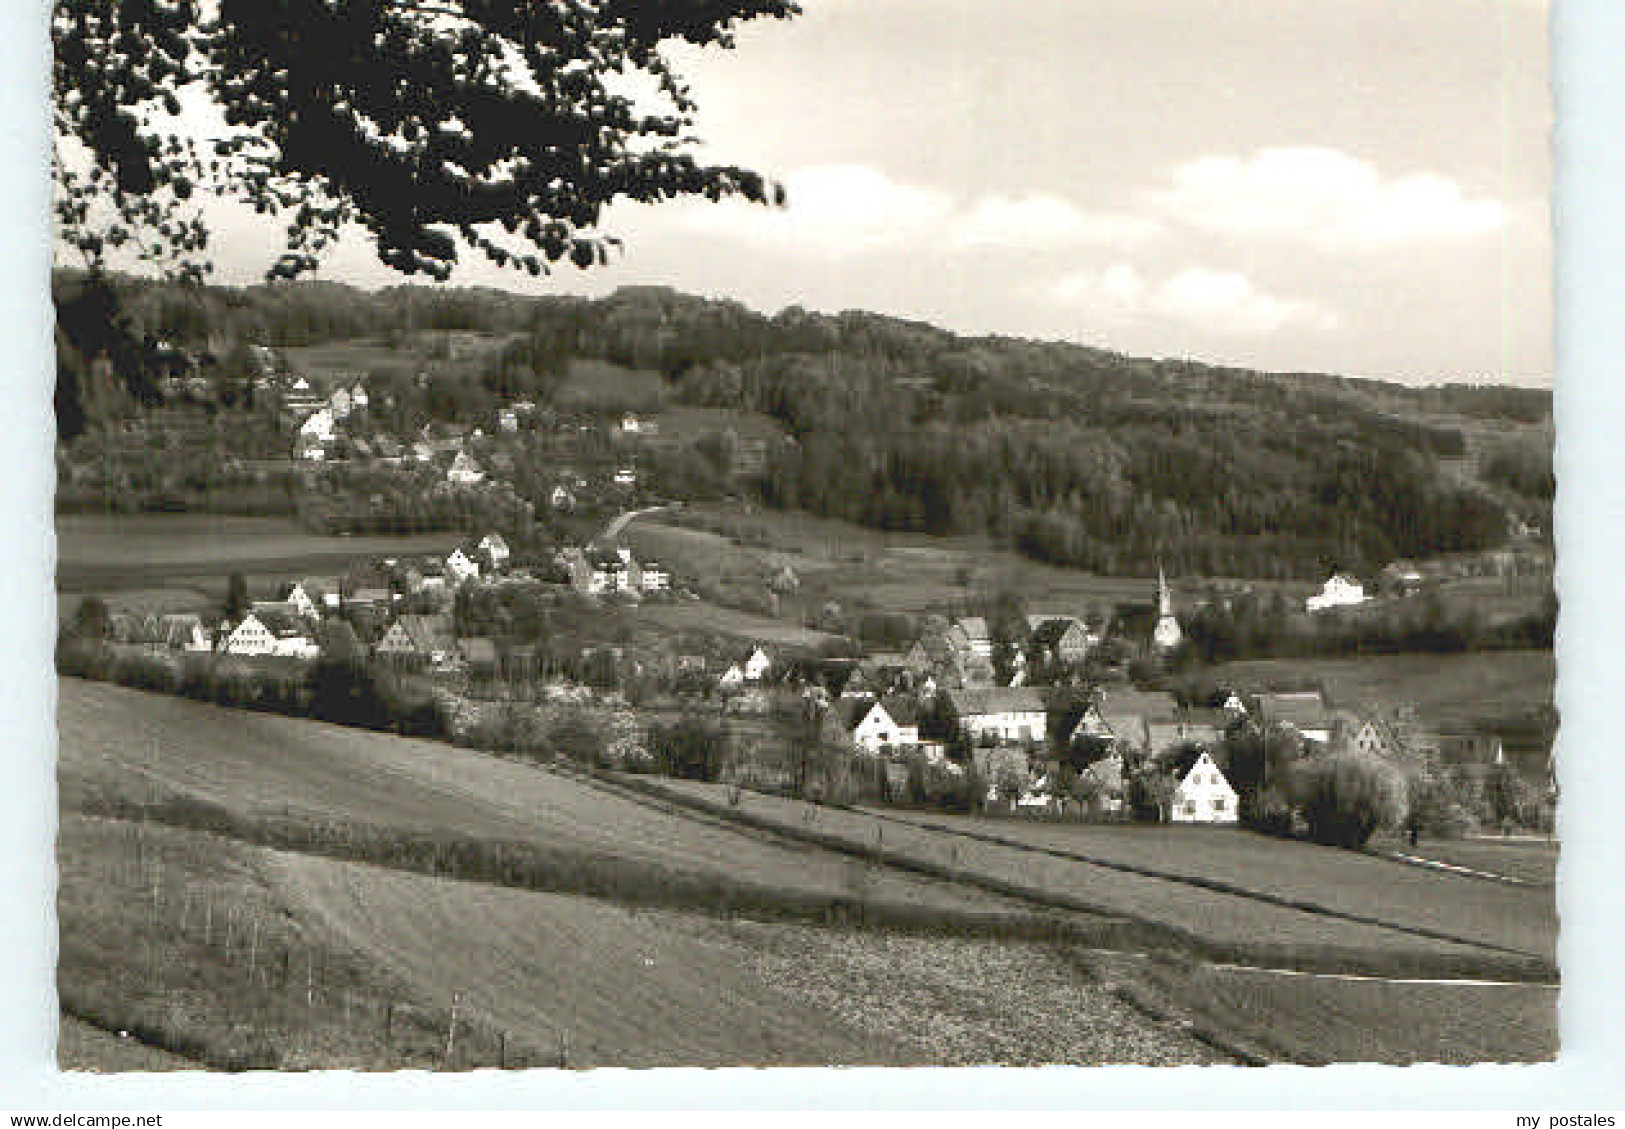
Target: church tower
[[1167, 635]]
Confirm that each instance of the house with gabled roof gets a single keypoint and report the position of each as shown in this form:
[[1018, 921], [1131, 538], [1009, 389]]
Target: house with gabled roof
[[419, 639], [1203, 795], [461, 566], [1126, 718], [1304, 712], [271, 633], [1001, 713], [1065, 638], [464, 470], [876, 726], [1341, 590], [970, 635], [757, 666]]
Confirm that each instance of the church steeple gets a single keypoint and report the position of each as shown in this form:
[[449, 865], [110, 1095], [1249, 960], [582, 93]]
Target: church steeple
[[1167, 634]]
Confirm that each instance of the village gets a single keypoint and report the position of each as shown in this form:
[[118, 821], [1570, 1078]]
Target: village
[[1039, 715]]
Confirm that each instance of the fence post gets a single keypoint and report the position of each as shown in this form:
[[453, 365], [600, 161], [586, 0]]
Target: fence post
[[502, 1050], [451, 1028], [389, 1022], [253, 950], [208, 918]]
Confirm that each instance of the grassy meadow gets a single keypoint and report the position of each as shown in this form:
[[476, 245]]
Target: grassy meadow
[[103, 554]]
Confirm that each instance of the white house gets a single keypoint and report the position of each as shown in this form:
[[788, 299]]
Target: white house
[[267, 633], [757, 666], [494, 547], [358, 397], [969, 634], [1004, 713], [626, 476], [320, 426], [655, 577], [339, 403], [460, 567], [561, 499], [873, 727], [507, 420], [1204, 795], [464, 471], [732, 678], [1340, 591], [304, 602]]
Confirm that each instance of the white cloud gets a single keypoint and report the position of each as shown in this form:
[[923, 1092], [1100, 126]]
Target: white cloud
[[1214, 301], [832, 210], [838, 210], [1043, 222], [1324, 197]]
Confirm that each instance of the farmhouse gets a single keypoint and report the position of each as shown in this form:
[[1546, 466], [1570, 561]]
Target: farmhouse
[[271, 633], [1340, 591], [1203, 795], [1002, 713]]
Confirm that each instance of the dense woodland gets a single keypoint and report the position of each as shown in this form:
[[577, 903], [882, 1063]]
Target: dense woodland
[[1074, 455]]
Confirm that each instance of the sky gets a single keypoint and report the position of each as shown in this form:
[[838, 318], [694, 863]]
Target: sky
[[1351, 186]]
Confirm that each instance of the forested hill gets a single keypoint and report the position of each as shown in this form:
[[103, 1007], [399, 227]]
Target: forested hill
[[1076, 455]]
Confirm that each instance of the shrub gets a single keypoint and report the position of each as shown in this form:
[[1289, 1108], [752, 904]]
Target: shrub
[[1267, 810], [82, 658], [1437, 810], [143, 670], [690, 748], [575, 735], [230, 683], [1345, 797]]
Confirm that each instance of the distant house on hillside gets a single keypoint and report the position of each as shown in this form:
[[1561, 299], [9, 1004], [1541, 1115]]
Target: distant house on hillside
[[461, 566], [1341, 590], [655, 577], [757, 666], [464, 471], [303, 601], [495, 550]]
